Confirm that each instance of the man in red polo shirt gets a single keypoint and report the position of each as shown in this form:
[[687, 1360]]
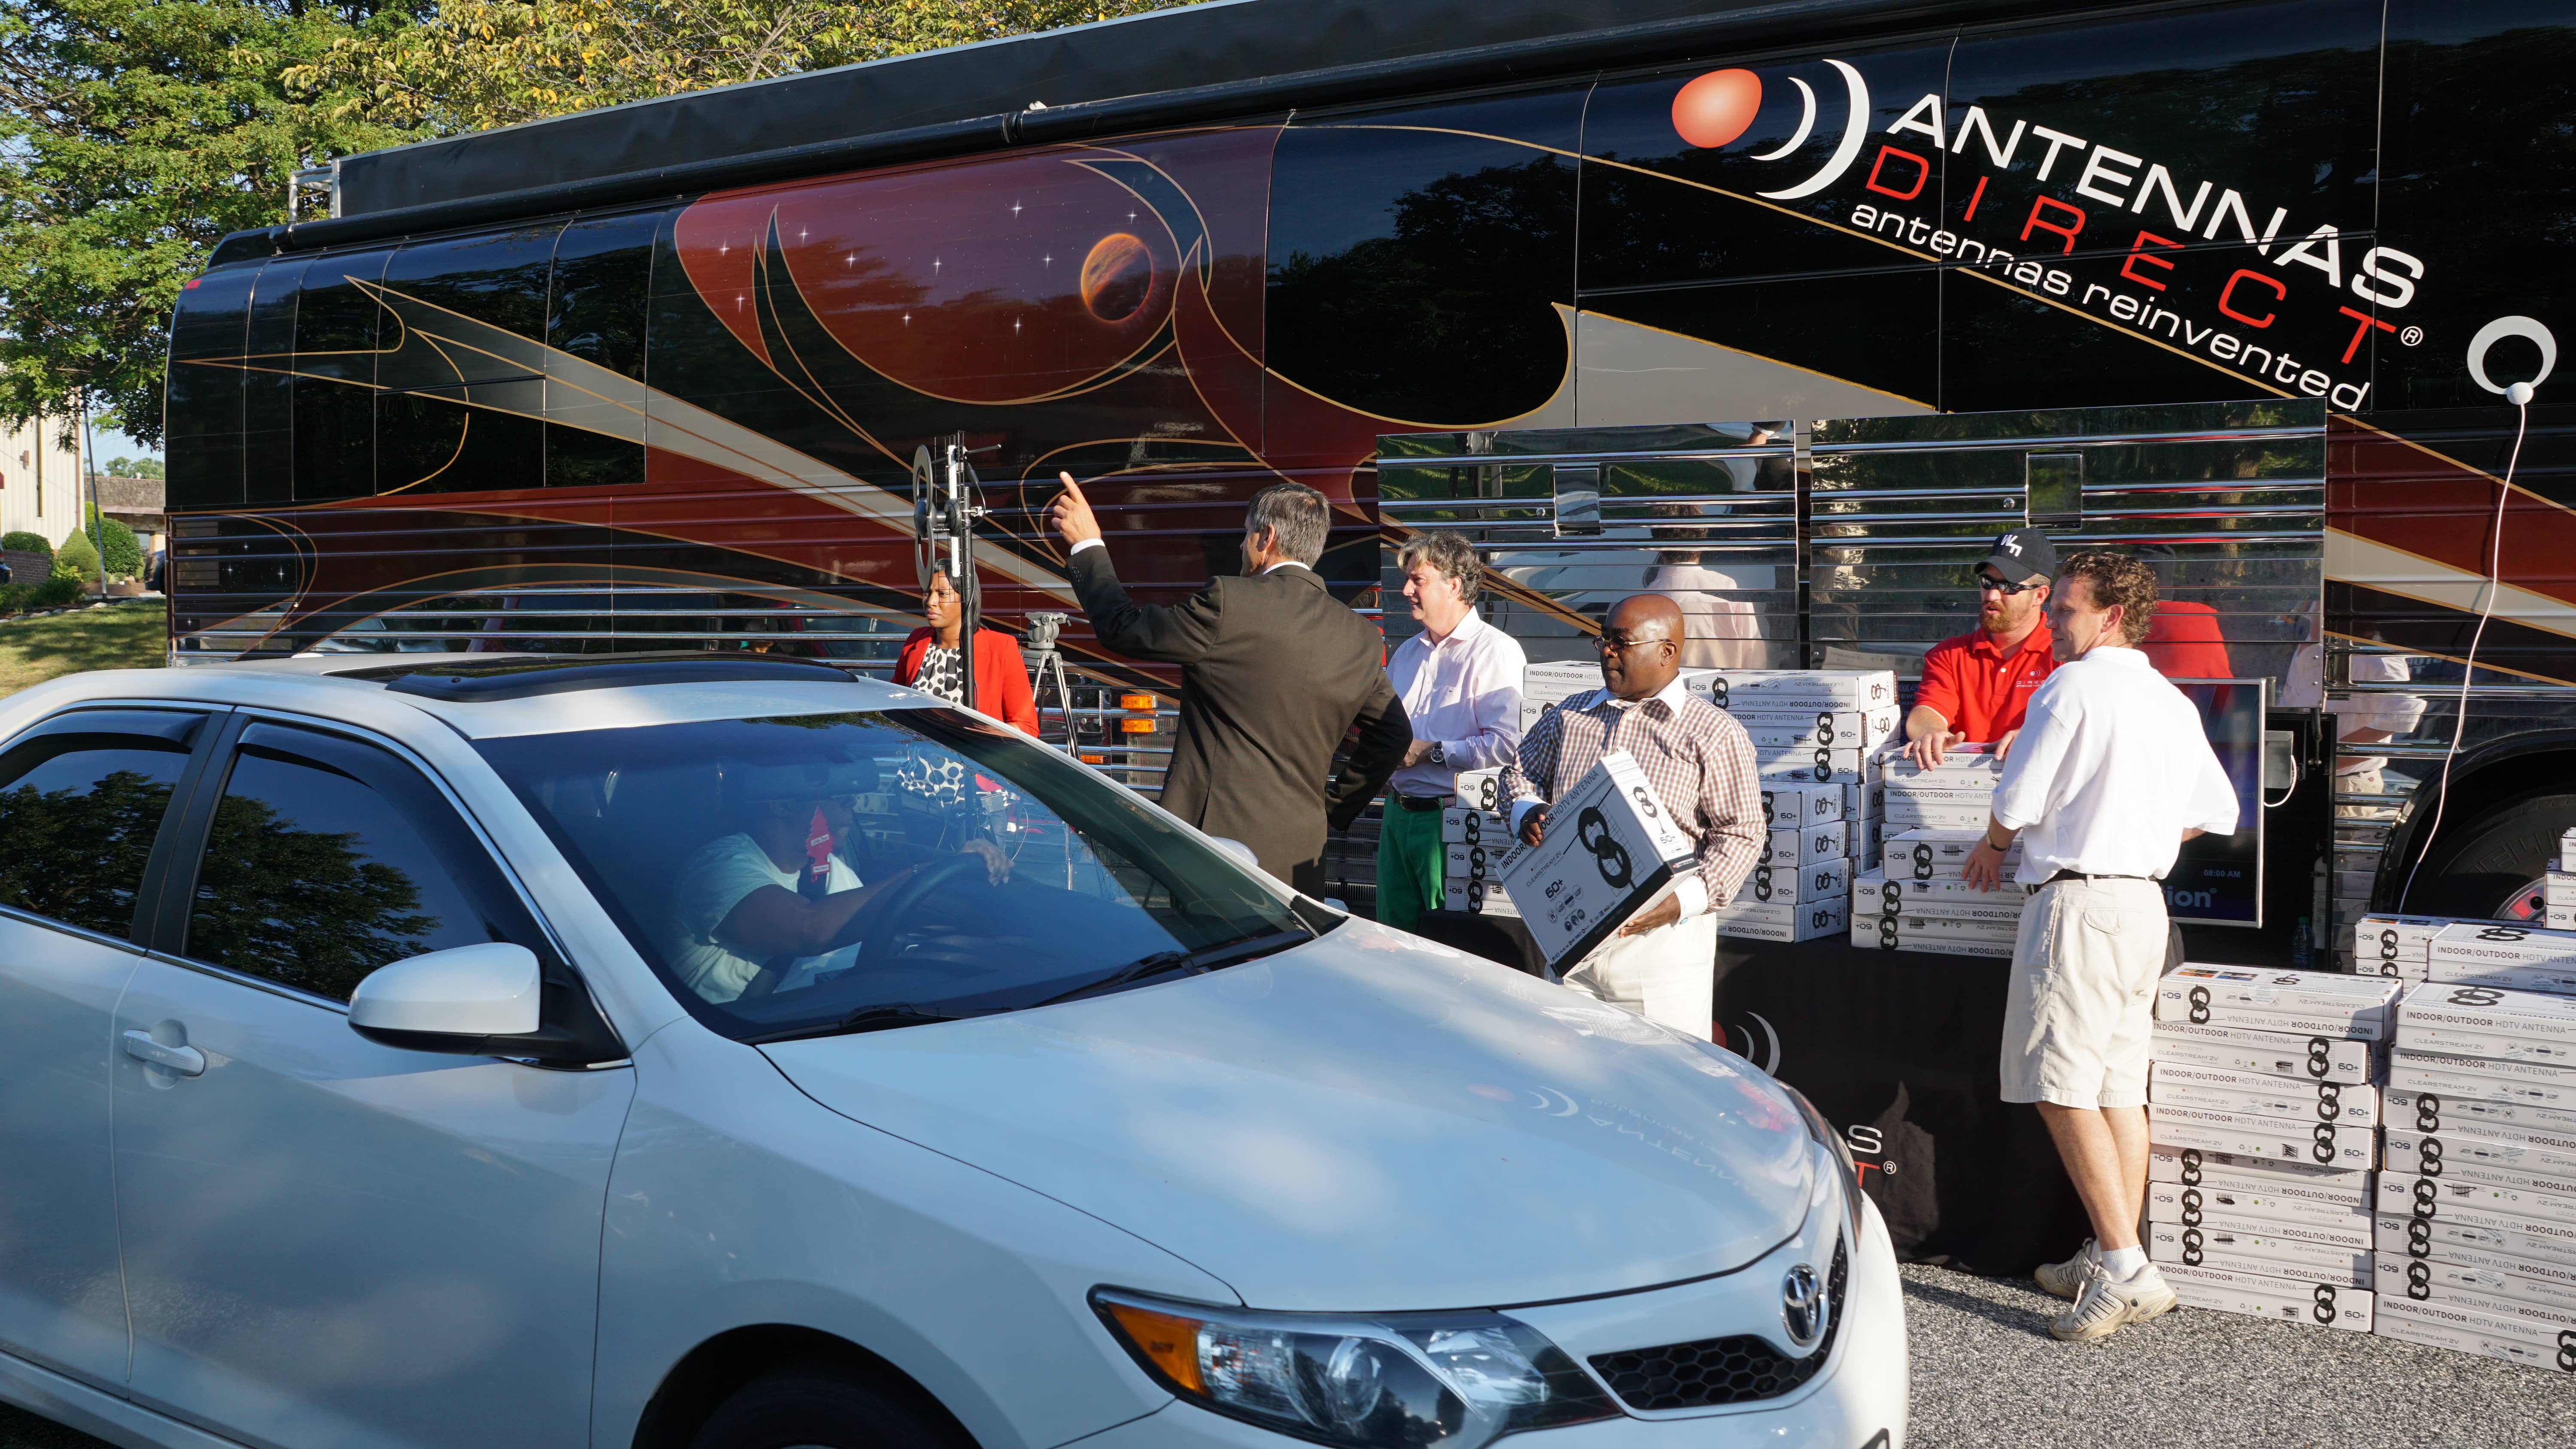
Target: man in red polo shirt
[[1975, 686]]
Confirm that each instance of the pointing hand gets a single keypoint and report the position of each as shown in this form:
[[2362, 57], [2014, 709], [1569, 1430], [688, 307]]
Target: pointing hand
[[1071, 514]]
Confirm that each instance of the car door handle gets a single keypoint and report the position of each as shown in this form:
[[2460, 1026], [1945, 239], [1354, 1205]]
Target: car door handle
[[187, 1061]]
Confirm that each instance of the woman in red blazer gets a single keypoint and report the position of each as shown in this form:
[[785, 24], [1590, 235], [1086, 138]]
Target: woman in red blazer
[[929, 661]]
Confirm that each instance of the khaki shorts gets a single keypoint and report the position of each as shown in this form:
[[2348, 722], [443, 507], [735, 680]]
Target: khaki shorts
[[2081, 999]]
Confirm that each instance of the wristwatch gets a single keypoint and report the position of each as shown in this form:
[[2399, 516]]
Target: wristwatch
[[1439, 755]]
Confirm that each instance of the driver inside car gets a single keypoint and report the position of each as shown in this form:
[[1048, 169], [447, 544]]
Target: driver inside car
[[776, 903]]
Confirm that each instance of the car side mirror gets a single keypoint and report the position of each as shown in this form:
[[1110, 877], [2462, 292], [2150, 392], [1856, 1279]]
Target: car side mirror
[[1240, 853], [454, 1000]]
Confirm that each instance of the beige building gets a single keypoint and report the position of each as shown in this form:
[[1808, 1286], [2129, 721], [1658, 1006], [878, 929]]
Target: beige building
[[40, 480]]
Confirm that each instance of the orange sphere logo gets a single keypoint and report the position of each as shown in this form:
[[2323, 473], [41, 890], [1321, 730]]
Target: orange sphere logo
[[1116, 277], [1717, 107]]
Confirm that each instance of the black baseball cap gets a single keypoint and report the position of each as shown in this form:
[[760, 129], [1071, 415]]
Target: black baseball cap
[[2024, 553]]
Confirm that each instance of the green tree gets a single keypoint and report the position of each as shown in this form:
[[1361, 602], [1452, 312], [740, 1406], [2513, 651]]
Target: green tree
[[77, 558], [133, 135], [470, 64], [116, 543], [134, 468]]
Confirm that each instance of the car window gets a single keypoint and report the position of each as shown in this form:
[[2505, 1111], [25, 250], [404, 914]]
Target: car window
[[326, 859], [80, 804], [785, 874]]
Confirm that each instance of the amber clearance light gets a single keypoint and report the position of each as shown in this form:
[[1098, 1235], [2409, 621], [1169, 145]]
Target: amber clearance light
[[1135, 701], [1167, 1340]]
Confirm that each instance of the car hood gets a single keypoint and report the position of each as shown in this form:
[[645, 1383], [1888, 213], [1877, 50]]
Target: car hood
[[1367, 1122]]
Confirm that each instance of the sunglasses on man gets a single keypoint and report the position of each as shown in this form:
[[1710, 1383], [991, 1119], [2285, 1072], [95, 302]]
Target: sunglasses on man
[[1987, 581]]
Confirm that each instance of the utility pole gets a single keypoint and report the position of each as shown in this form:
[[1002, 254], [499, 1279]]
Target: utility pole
[[96, 525]]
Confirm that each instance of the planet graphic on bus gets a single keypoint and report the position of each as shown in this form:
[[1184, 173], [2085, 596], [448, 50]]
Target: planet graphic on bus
[[1116, 277], [1717, 107]]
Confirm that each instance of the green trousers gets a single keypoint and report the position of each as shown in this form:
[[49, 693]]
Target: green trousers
[[1408, 865]]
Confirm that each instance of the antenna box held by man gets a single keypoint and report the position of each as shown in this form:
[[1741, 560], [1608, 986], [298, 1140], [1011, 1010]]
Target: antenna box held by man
[[1611, 850]]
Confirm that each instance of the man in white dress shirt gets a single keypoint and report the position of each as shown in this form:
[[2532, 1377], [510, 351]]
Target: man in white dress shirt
[[2111, 774], [1460, 680]]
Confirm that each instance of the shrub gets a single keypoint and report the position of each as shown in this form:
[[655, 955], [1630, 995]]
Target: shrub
[[77, 559], [21, 541], [57, 591], [13, 598], [123, 550]]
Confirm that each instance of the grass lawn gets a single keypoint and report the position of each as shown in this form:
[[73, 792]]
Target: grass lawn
[[120, 636]]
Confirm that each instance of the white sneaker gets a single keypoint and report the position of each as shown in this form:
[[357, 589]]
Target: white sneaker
[[2066, 1279], [2107, 1304]]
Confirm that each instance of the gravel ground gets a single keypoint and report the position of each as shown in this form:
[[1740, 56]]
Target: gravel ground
[[1986, 1372]]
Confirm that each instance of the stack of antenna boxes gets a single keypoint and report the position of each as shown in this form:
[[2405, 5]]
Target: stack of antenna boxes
[[1816, 735], [2476, 1229], [1912, 898], [1474, 834], [2263, 1114], [2558, 888]]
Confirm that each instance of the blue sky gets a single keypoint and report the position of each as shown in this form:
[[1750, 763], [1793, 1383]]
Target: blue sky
[[113, 445]]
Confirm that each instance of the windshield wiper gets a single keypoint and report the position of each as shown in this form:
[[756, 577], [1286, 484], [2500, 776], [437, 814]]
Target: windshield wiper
[[866, 1018], [1207, 958]]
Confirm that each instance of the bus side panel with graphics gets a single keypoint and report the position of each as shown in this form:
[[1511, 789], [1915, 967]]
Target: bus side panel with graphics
[[558, 405]]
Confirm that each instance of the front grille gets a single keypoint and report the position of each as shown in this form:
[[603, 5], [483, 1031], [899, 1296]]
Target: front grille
[[1741, 1369]]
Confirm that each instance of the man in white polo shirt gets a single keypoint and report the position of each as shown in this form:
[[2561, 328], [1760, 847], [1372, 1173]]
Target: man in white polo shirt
[[2112, 773]]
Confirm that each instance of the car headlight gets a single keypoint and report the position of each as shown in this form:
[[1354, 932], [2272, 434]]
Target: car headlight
[[1847, 1190], [1386, 1381]]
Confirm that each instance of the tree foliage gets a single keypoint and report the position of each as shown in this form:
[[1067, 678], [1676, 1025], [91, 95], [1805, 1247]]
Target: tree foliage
[[134, 468], [77, 558], [472, 64], [133, 135]]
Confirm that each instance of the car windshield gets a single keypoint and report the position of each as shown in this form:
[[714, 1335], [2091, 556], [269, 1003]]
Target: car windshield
[[816, 873]]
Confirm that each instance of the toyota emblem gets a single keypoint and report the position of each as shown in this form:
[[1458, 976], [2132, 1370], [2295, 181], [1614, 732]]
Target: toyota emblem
[[1802, 1305]]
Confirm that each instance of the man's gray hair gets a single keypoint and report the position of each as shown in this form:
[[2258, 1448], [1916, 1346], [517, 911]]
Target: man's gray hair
[[1296, 514], [1450, 553]]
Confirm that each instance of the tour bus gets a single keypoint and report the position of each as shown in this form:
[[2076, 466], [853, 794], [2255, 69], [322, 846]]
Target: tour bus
[[1786, 309]]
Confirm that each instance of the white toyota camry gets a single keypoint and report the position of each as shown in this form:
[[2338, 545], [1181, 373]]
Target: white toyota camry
[[725, 1052]]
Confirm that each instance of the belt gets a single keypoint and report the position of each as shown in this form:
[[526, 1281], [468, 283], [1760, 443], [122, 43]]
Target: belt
[[2079, 875], [1418, 802]]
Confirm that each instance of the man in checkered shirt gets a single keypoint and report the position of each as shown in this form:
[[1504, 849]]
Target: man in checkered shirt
[[1663, 964]]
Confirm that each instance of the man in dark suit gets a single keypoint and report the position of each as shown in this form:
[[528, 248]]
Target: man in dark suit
[[1274, 671]]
